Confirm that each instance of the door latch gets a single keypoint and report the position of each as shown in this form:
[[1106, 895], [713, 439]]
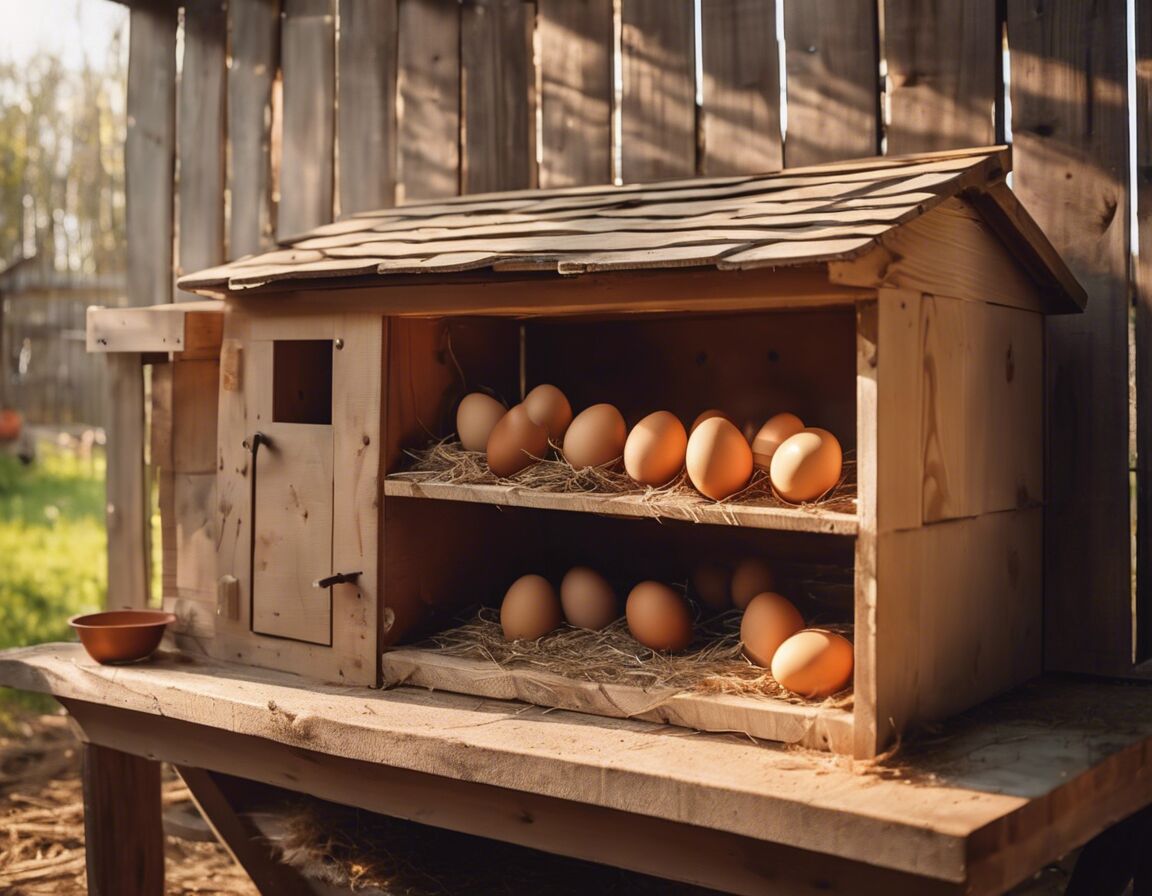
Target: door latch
[[337, 578]]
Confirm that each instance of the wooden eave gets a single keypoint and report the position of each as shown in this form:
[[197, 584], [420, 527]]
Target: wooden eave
[[800, 218]]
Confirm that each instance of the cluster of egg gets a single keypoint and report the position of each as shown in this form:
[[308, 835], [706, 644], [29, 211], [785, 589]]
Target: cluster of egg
[[810, 662], [807, 661], [803, 463]]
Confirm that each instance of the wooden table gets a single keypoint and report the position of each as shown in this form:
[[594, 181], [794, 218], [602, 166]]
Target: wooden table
[[975, 808]]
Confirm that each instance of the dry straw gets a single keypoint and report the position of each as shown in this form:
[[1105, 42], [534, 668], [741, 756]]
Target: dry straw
[[446, 461], [713, 664]]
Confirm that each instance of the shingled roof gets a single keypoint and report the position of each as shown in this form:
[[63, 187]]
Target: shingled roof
[[798, 216]]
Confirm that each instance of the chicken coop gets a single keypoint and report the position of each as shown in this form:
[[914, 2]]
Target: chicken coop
[[350, 221]]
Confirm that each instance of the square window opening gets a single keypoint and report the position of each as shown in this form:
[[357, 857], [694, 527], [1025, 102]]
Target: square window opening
[[302, 381]]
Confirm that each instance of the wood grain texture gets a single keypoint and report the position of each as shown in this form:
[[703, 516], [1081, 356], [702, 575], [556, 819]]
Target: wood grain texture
[[658, 106], [498, 96], [1071, 138], [429, 90], [740, 110], [833, 81], [671, 850], [126, 509], [1001, 794], [254, 27], [123, 833], [201, 139], [366, 104], [576, 51], [943, 74], [150, 151], [982, 401], [308, 52], [1143, 333]]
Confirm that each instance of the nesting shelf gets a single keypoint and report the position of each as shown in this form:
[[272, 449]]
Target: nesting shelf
[[751, 514]]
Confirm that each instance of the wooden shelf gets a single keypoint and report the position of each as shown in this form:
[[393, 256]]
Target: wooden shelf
[[814, 726], [786, 519]]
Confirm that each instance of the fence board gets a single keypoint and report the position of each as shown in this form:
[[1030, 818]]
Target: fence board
[[740, 107], [366, 107], [658, 107], [943, 73], [308, 47], [149, 152], [429, 88], [255, 36], [832, 63], [1143, 327], [1071, 158], [498, 141], [201, 139], [576, 51]]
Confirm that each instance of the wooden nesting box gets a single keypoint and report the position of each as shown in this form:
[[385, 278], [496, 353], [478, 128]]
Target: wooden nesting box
[[898, 302]]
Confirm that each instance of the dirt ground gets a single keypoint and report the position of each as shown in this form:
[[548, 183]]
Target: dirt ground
[[42, 822]]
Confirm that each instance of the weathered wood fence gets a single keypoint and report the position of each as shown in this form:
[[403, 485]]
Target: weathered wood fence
[[284, 116]]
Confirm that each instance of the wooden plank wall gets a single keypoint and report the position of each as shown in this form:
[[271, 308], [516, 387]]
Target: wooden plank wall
[[333, 107]]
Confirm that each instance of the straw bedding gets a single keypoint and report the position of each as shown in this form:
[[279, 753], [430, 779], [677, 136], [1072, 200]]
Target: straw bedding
[[446, 461]]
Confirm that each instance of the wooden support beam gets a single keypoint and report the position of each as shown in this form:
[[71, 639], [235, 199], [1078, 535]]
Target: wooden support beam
[[126, 486], [214, 797], [123, 832]]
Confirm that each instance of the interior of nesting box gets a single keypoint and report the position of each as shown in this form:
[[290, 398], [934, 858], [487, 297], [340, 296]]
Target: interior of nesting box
[[443, 559]]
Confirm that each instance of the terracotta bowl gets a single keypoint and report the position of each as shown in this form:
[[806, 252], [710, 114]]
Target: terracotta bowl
[[121, 636]]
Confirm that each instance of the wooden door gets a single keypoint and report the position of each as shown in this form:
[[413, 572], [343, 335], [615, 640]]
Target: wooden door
[[292, 477]]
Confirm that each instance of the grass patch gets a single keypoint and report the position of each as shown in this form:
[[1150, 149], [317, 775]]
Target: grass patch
[[52, 548]]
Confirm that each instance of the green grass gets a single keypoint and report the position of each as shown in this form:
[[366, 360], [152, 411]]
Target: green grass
[[52, 547]]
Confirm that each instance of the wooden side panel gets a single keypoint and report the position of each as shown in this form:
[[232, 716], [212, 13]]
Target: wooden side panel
[[658, 111], [149, 151], [193, 502], [366, 107], [982, 410], [1143, 333], [740, 111], [943, 74], [429, 90], [202, 139], [898, 370], [833, 81], [576, 51], [498, 99], [254, 27], [1071, 167], [308, 46]]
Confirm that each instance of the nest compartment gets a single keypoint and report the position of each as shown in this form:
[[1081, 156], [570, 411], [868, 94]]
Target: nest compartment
[[712, 664], [448, 462]]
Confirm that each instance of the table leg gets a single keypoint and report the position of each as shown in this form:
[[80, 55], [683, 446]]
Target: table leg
[[123, 832]]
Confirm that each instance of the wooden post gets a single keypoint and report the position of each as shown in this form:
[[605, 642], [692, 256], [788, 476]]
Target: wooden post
[[123, 832], [127, 492]]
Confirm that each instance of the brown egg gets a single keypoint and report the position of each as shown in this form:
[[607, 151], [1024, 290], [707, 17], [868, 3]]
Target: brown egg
[[769, 621], [806, 465], [476, 417], [515, 443], [707, 415], [587, 598], [751, 577], [596, 437], [771, 434], [654, 452], [530, 609], [719, 460], [548, 407], [814, 663], [710, 586], [658, 617]]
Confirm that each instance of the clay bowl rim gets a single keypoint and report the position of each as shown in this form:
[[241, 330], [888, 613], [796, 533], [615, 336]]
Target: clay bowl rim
[[159, 617]]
